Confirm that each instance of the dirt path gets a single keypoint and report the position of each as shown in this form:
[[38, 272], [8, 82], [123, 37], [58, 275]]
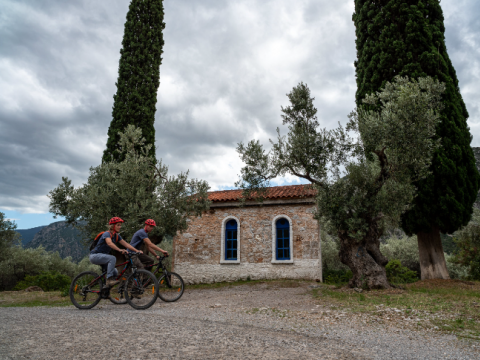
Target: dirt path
[[243, 322]]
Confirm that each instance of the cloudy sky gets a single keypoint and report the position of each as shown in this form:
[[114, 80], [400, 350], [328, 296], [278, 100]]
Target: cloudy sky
[[227, 66]]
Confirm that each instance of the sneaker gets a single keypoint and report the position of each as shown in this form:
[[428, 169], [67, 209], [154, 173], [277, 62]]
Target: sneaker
[[112, 282]]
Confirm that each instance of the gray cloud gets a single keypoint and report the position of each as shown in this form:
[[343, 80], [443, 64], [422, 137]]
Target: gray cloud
[[226, 69]]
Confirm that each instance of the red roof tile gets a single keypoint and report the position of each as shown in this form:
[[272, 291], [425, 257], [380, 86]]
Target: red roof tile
[[275, 192]]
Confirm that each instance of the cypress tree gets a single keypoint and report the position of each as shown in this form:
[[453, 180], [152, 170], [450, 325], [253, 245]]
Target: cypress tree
[[138, 75], [406, 38]]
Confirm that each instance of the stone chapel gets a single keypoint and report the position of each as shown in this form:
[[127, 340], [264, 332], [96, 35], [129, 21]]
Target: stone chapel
[[278, 238]]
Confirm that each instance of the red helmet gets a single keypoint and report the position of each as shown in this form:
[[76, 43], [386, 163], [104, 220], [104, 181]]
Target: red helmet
[[115, 220], [150, 222]]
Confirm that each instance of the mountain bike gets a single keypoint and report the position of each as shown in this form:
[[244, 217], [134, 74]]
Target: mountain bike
[[139, 289], [170, 284]]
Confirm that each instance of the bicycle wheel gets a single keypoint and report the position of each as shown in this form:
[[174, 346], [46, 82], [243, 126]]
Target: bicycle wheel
[[117, 293], [142, 289], [85, 290], [170, 287]]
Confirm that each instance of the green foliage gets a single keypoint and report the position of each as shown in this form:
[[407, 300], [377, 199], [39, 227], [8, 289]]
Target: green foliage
[[19, 263], [456, 270], [406, 38], [404, 249], [398, 137], [336, 277], [468, 243], [167, 245], [377, 190], [398, 274], [330, 250], [8, 235], [333, 271], [138, 76], [48, 281], [357, 198], [65, 292], [135, 189], [448, 244]]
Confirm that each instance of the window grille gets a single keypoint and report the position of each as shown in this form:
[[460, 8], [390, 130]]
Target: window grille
[[231, 240], [283, 239]]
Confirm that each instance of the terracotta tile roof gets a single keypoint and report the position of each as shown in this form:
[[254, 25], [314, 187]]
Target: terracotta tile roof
[[275, 192]]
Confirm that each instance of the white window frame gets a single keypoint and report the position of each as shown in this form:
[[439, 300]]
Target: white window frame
[[222, 251], [274, 240]]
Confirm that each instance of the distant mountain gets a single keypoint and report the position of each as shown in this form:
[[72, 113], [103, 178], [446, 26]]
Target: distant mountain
[[61, 237], [28, 234]]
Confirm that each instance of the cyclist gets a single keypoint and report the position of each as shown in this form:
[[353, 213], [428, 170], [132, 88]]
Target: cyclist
[[140, 238], [100, 255]]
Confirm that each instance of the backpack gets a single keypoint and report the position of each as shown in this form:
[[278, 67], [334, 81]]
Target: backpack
[[94, 243]]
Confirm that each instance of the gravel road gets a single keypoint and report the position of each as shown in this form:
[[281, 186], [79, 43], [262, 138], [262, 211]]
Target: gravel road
[[243, 322]]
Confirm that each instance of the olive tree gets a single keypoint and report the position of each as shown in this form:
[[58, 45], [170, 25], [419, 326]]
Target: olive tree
[[135, 189], [363, 173], [8, 235]]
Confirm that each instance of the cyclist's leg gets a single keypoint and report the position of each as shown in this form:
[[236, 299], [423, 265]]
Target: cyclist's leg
[[146, 260], [109, 260]]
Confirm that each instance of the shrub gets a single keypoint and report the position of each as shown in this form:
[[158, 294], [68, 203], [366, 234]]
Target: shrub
[[65, 291], [48, 281], [333, 271], [167, 245], [330, 259], [468, 243], [456, 271], [404, 249], [336, 277], [18, 263], [398, 274]]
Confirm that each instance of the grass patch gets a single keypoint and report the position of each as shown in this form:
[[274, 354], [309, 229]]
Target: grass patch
[[448, 305], [30, 299]]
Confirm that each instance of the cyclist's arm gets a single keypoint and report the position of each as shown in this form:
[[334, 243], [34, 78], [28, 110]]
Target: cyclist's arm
[[152, 247], [113, 246], [129, 247]]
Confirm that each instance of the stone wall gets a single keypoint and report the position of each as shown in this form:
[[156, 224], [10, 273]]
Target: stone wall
[[198, 251]]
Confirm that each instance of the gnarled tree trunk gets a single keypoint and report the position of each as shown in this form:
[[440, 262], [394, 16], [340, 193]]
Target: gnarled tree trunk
[[432, 258], [366, 262]]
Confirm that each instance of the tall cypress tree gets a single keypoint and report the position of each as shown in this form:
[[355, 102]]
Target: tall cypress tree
[[406, 38], [138, 75]]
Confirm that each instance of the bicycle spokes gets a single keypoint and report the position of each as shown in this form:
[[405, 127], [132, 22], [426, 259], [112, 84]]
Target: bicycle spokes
[[85, 290], [141, 289], [171, 287]]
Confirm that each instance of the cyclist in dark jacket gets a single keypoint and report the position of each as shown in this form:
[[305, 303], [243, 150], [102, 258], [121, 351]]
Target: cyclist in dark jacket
[[100, 255], [140, 238]]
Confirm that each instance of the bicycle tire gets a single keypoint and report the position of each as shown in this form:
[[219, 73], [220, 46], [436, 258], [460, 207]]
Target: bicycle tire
[[170, 290], [79, 288], [141, 289]]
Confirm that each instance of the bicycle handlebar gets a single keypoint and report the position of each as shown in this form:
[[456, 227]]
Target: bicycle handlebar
[[131, 254]]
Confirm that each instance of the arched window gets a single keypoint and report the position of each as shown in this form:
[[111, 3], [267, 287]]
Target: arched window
[[283, 239], [231, 243]]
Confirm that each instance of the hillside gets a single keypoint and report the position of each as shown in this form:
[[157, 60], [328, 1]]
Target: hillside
[[27, 235], [60, 237]]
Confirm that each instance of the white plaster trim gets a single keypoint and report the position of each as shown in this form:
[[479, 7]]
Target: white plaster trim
[[274, 240], [194, 273], [222, 252]]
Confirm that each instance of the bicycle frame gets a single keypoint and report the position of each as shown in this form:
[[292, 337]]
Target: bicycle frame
[[128, 264], [159, 266]]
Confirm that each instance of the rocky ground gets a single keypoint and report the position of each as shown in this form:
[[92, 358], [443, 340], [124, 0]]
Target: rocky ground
[[263, 321]]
